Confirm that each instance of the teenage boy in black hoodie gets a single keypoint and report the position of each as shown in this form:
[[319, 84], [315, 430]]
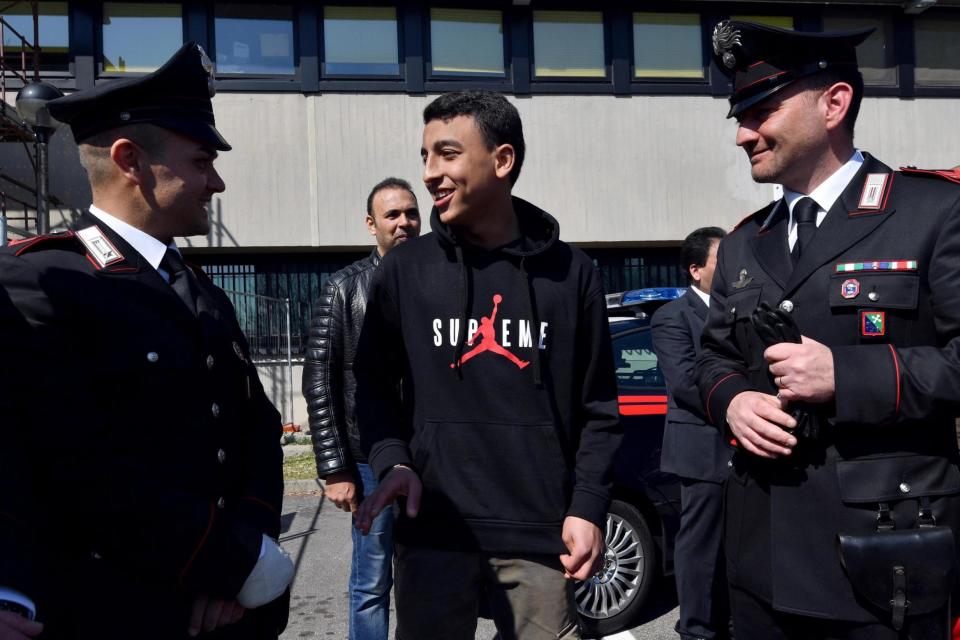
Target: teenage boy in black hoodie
[[503, 435]]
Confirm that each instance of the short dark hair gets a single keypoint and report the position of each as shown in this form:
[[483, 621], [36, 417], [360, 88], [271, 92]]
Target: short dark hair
[[388, 183], [696, 246], [497, 119], [849, 74]]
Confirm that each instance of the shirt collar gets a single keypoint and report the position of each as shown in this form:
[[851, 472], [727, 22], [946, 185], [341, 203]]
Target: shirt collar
[[830, 189], [703, 296], [143, 243]]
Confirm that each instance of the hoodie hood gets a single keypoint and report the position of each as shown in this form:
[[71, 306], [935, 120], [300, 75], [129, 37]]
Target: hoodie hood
[[538, 230]]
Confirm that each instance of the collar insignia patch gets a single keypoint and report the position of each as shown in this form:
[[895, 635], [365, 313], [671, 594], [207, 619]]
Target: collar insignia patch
[[874, 189], [99, 247]]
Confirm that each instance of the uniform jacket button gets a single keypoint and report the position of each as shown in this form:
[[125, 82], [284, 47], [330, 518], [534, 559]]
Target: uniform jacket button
[[210, 362], [787, 306], [153, 356], [221, 456], [221, 503], [904, 487], [215, 410], [730, 463], [874, 296]]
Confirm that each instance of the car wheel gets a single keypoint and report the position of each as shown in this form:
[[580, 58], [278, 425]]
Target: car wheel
[[610, 601]]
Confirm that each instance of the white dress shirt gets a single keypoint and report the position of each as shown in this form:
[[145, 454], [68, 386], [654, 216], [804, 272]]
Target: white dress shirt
[[145, 244], [703, 296], [824, 195]]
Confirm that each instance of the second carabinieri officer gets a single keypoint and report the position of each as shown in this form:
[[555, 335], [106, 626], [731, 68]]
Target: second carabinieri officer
[[151, 510], [845, 490]]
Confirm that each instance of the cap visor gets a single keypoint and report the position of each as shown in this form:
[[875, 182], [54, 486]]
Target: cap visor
[[746, 103]]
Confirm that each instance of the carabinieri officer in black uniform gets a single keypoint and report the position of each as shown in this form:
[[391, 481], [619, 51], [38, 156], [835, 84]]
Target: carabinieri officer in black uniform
[[141, 461], [843, 498]]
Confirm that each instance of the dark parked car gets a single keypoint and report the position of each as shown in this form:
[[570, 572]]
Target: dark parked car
[[645, 512]]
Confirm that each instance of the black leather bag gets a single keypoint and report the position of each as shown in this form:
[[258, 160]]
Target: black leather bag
[[906, 572]]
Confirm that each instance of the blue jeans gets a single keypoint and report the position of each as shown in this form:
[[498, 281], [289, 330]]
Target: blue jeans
[[371, 576]]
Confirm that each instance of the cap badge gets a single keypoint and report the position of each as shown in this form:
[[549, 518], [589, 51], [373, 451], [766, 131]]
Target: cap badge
[[725, 37], [208, 67]]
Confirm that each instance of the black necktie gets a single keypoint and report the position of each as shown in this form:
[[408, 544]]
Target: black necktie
[[180, 278], [805, 213]]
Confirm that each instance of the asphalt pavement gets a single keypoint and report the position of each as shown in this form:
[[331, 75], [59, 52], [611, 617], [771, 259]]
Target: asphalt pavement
[[317, 535]]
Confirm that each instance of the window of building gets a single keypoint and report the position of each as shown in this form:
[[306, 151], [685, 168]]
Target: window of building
[[54, 35], [360, 41], [937, 39], [254, 38], [140, 37], [875, 54], [667, 45], [466, 42], [781, 22], [568, 44]]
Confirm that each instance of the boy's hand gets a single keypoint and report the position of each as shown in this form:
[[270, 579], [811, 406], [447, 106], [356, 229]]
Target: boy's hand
[[584, 542]]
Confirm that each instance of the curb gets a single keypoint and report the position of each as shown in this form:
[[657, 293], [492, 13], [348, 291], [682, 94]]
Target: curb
[[302, 487]]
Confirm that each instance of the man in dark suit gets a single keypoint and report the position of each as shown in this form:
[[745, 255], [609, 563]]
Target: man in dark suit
[[693, 449], [846, 438], [151, 507]]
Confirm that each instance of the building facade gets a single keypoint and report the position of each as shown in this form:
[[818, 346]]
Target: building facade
[[623, 111]]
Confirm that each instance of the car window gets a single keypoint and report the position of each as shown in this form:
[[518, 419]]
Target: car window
[[636, 361]]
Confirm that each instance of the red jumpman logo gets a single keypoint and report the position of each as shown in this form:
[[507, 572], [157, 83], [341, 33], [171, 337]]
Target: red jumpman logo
[[488, 333]]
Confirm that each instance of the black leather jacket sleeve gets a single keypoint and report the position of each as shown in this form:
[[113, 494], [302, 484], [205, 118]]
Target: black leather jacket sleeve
[[329, 384], [323, 382]]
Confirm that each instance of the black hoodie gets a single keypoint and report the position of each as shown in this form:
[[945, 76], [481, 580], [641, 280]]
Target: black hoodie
[[512, 424]]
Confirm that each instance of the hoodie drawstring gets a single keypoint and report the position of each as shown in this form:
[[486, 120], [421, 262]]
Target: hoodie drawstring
[[464, 300], [532, 310]]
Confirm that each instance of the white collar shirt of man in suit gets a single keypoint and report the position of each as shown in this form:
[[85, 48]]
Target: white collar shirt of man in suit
[[703, 296]]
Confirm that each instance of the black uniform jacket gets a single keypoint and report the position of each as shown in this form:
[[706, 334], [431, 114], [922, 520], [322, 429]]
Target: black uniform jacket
[[328, 381], [141, 459], [691, 447], [881, 287]]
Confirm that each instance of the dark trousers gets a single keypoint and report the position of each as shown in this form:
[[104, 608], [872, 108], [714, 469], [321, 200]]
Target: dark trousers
[[698, 561], [755, 619]]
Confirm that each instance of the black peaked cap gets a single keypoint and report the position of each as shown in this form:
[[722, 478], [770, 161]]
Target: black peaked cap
[[761, 60], [176, 96]]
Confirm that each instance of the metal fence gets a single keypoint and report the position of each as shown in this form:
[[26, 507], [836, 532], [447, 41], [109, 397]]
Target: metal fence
[[266, 322]]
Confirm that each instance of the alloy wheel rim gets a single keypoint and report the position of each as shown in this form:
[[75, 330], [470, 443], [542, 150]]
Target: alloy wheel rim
[[615, 585]]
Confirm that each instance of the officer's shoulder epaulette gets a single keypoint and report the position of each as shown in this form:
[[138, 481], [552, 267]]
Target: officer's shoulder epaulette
[[951, 175], [65, 240], [760, 216]]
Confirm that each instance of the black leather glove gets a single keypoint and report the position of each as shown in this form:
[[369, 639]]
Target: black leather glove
[[774, 326]]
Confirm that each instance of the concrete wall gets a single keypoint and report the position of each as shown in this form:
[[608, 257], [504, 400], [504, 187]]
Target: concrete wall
[[611, 169], [635, 169]]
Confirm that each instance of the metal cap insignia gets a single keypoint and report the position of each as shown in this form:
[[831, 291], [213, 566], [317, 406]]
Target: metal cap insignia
[[208, 67], [725, 37]]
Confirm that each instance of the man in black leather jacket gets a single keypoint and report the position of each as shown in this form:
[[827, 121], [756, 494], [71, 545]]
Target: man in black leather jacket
[[328, 386]]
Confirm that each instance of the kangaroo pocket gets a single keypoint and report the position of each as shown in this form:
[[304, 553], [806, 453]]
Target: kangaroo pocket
[[492, 471]]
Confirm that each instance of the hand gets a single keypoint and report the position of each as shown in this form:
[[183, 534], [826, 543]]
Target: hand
[[802, 371], [584, 541], [209, 614], [401, 481], [758, 422], [14, 626], [341, 490]]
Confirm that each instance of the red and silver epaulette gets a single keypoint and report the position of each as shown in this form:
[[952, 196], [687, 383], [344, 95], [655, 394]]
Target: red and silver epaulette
[[38, 243], [951, 175]]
